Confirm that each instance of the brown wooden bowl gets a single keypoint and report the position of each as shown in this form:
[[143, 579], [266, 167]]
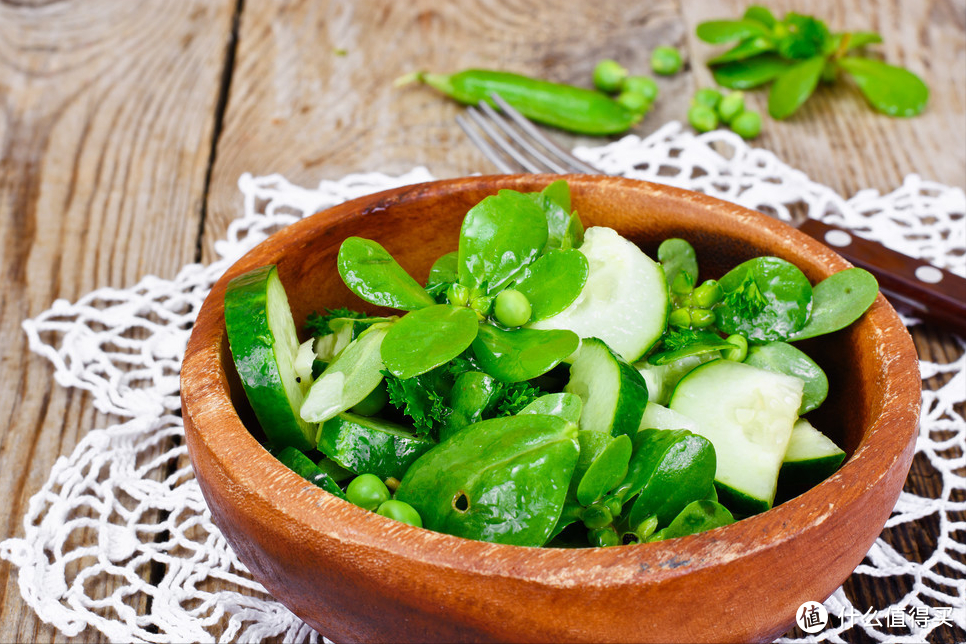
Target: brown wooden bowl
[[352, 574]]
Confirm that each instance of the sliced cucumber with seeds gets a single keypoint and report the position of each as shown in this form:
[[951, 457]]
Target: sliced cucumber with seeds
[[811, 457], [747, 413], [367, 445], [624, 301], [264, 345], [613, 392]]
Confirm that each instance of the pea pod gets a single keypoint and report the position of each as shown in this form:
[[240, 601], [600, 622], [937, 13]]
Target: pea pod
[[502, 480], [575, 109]]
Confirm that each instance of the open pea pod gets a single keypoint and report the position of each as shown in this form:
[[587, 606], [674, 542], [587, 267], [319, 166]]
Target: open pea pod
[[696, 517], [502, 480], [679, 468], [500, 236], [765, 299], [371, 273], [473, 396], [521, 354], [780, 357], [424, 339], [553, 281]]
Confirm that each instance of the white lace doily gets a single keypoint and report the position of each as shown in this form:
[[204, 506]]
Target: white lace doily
[[119, 538]]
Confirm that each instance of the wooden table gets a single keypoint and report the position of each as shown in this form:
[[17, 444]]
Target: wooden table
[[124, 127]]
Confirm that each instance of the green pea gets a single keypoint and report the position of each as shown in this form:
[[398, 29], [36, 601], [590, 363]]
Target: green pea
[[604, 537], [609, 76], [400, 511], [702, 118], [665, 60], [747, 125], [637, 103], [367, 491], [740, 350], [680, 318], [701, 318], [512, 308], [596, 516], [643, 85], [614, 505], [707, 295], [373, 403], [706, 96], [646, 528], [731, 106]]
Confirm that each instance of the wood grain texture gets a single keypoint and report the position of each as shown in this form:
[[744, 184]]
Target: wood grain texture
[[106, 116], [835, 136], [109, 111]]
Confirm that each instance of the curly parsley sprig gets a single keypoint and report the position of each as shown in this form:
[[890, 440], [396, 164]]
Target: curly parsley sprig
[[796, 53]]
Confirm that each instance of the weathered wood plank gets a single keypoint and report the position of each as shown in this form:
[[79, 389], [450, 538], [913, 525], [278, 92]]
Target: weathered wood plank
[[312, 93], [106, 119], [836, 138]]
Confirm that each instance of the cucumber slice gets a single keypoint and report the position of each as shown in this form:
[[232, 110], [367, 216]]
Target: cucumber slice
[[659, 417], [613, 392], [302, 465], [662, 378], [624, 301], [304, 360], [747, 413], [811, 457], [264, 345], [367, 445]]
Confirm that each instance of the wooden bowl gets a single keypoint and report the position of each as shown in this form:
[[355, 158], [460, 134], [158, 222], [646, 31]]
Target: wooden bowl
[[354, 575]]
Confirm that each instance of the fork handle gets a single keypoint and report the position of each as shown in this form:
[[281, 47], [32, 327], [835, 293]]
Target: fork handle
[[926, 291]]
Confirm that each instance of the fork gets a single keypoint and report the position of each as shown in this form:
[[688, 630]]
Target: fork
[[514, 144]]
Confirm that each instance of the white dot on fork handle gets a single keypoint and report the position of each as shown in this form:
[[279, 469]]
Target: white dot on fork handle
[[838, 238], [929, 274]]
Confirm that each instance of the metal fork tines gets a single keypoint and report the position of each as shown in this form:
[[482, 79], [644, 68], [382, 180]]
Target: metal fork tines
[[506, 138]]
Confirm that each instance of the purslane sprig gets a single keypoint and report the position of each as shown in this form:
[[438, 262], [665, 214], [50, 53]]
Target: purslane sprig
[[796, 53]]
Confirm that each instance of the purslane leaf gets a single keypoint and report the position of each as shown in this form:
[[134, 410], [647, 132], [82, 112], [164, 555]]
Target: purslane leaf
[[553, 281], [427, 338], [793, 86], [717, 32], [743, 50], [891, 90], [859, 39], [500, 236], [522, 354], [762, 15], [371, 273], [750, 72]]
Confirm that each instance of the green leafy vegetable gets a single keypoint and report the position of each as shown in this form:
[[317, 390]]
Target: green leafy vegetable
[[798, 51], [317, 324]]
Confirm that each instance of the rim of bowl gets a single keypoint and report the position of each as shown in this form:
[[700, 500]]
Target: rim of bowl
[[247, 462]]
